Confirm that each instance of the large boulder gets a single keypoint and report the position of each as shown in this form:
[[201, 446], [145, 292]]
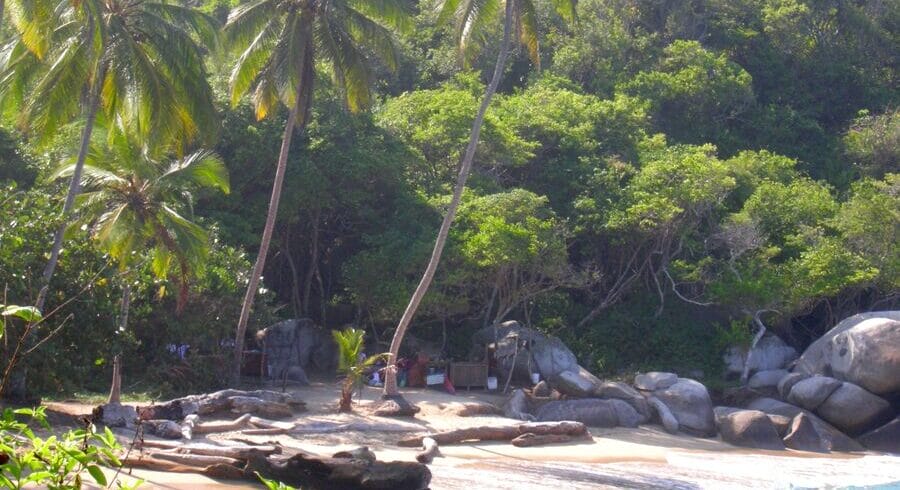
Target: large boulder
[[297, 342], [668, 421], [654, 380], [862, 349], [552, 357], [885, 438], [549, 356], [788, 381], [691, 406], [834, 439], [770, 353], [767, 379], [803, 436], [591, 411], [811, 392], [749, 428], [854, 410], [621, 391], [577, 383]]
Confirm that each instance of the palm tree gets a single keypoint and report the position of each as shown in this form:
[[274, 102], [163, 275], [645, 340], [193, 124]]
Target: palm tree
[[350, 344], [473, 18], [279, 44], [136, 206], [134, 64]]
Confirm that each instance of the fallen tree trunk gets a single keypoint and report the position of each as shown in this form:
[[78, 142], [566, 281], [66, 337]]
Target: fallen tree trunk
[[209, 403], [530, 439], [429, 451], [303, 470], [223, 426], [504, 433], [223, 471], [195, 459], [236, 452]]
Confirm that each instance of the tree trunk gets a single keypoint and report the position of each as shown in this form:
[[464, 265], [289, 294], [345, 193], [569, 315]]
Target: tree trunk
[[74, 190], [502, 433], [115, 389], [313, 263], [390, 380], [301, 102]]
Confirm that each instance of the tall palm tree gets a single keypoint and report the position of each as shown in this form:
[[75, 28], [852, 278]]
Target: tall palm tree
[[280, 43], [137, 206], [473, 18], [134, 64]]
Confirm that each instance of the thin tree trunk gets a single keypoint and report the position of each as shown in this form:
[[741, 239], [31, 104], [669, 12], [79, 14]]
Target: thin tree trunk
[[126, 306], [313, 262], [302, 92], [74, 190], [390, 382], [296, 305]]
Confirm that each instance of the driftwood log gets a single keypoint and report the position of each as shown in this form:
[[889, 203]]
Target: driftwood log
[[264, 402], [530, 439], [429, 451], [245, 451], [503, 433], [307, 471]]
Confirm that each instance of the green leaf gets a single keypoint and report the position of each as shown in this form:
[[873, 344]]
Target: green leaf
[[27, 313], [97, 474]]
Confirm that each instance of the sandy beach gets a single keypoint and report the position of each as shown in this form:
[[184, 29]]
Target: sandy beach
[[645, 457]]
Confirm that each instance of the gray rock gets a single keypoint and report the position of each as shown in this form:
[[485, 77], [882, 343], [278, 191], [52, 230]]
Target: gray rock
[[749, 428], [803, 436], [297, 342], [782, 423], [654, 380], [816, 359], [787, 383], [517, 406], [854, 410], [297, 374], [621, 391], [578, 383], [868, 355], [668, 421], [770, 353], [721, 411], [689, 402], [885, 438], [766, 379], [835, 439], [552, 357], [590, 411], [811, 392]]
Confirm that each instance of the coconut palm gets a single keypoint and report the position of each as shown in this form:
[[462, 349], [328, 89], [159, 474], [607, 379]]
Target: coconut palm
[[136, 206], [473, 19], [135, 64], [279, 44], [350, 344]]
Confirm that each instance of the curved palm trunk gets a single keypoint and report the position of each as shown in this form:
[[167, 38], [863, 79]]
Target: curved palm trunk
[[74, 190], [390, 379], [301, 102]]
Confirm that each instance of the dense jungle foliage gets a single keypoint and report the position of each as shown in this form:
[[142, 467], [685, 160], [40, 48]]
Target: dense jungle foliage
[[670, 169]]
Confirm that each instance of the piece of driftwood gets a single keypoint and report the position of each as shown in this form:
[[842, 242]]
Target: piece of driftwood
[[503, 433], [309, 472], [270, 424], [530, 439], [188, 425], [223, 471], [429, 451], [264, 432], [167, 429], [194, 459], [222, 426], [219, 401], [236, 452]]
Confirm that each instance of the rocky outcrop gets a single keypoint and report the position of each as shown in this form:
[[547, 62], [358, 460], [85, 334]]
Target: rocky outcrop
[[668, 421], [591, 412], [811, 392], [689, 402], [769, 354], [552, 357], [654, 381], [803, 436], [297, 342], [578, 383], [833, 438], [863, 349], [621, 391], [767, 379], [854, 410], [885, 438], [787, 383], [749, 428]]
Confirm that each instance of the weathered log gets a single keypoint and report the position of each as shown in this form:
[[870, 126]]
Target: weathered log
[[249, 404], [236, 452], [504, 433], [310, 472], [270, 424], [361, 453], [274, 431], [223, 426], [188, 425], [429, 451], [194, 459], [218, 401], [222, 471], [530, 439], [167, 429]]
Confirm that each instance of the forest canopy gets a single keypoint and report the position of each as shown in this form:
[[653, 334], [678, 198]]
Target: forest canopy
[[667, 171]]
